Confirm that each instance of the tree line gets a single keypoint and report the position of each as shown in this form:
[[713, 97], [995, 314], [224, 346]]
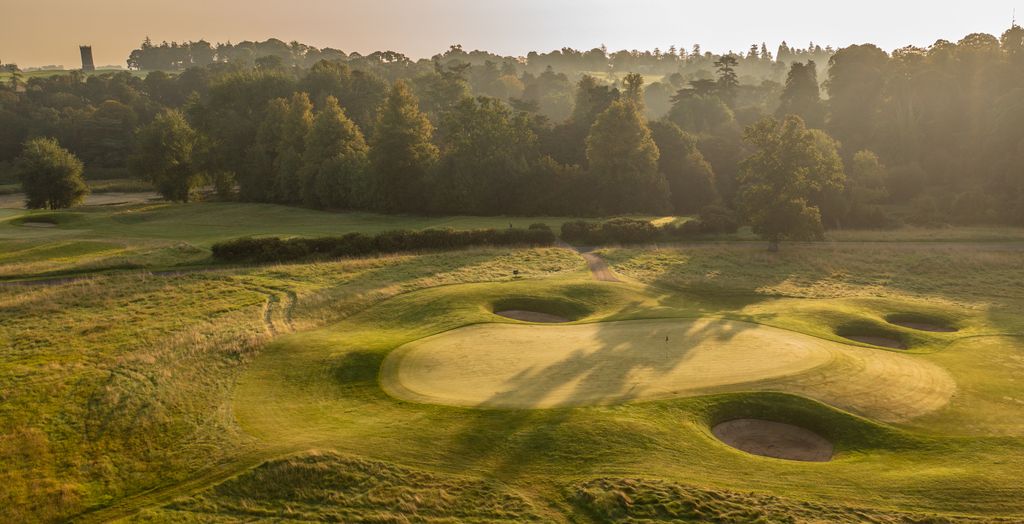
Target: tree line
[[936, 134]]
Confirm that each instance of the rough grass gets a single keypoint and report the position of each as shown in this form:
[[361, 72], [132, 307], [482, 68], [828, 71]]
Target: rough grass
[[319, 487], [115, 384], [644, 500]]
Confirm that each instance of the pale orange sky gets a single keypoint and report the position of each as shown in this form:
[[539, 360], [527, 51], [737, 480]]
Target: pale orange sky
[[42, 32]]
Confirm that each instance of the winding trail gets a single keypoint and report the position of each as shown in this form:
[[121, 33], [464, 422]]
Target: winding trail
[[598, 267]]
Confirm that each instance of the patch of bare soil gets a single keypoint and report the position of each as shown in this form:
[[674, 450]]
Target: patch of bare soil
[[532, 316], [924, 326], [774, 439], [599, 268], [875, 340]]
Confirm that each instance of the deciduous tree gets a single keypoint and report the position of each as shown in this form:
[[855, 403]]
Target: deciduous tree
[[778, 181], [50, 175]]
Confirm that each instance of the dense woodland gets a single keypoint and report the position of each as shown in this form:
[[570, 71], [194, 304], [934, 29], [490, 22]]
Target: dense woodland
[[854, 137]]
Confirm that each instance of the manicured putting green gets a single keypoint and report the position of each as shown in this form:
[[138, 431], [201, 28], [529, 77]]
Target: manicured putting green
[[536, 366]]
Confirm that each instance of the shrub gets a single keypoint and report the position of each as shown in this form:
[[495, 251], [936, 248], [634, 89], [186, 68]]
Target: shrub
[[274, 249], [718, 219]]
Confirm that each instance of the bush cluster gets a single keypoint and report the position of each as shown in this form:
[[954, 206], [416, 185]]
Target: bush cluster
[[713, 220], [274, 249]]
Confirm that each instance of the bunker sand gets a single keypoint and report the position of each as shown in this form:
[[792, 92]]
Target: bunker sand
[[520, 366], [774, 439]]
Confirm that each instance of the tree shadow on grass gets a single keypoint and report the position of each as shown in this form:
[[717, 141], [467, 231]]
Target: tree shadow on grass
[[507, 442]]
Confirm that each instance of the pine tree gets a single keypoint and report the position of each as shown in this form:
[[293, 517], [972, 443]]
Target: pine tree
[[401, 152]]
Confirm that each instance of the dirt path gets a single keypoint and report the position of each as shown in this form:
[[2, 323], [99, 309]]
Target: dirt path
[[598, 267]]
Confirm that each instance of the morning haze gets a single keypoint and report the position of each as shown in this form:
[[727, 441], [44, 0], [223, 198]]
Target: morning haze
[[456, 262], [48, 31]]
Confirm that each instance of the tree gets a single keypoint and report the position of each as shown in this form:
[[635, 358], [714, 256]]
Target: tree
[[401, 152], [727, 82], [633, 89], [690, 178], [487, 151], [50, 175], [624, 162], [699, 113], [856, 79], [802, 96], [592, 99], [294, 132], [779, 179], [164, 155], [335, 160], [258, 181]]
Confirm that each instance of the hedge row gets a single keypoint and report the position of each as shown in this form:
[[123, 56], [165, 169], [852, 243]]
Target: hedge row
[[713, 220], [274, 249]]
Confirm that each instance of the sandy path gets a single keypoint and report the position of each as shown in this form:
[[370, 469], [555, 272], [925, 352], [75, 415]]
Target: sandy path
[[516, 366], [598, 267]]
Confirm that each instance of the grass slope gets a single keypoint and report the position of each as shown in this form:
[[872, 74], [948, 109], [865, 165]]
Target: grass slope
[[123, 392]]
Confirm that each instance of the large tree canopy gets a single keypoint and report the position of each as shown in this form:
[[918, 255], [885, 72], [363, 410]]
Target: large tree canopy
[[790, 165], [623, 160], [335, 161], [165, 156], [402, 152]]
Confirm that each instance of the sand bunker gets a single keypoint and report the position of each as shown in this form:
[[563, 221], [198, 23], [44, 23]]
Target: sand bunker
[[523, 366], [532, 316], [774, 439], [876, 340]]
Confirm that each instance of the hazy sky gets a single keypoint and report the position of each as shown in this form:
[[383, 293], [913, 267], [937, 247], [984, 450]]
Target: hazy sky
[[41, 32]]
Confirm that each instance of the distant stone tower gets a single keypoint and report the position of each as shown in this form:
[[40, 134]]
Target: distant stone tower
[[87, 63]]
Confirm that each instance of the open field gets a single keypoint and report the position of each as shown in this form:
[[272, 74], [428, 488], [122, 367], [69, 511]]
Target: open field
[[387, 388]]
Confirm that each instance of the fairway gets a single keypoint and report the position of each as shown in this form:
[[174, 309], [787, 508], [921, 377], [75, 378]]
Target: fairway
[[517, 366]]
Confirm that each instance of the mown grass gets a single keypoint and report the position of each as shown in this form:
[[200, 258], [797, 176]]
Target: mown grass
[[319, 390], [164, 236], [120, 391]]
